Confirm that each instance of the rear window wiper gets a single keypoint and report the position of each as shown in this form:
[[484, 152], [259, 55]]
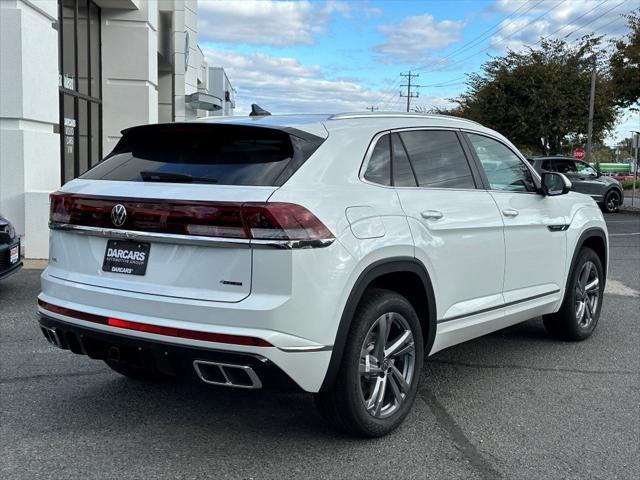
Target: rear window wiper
[[177, 177]]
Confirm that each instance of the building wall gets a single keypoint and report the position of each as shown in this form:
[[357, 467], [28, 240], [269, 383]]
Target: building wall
[[144, 80], [219, 85], [129, 70], [29, 142]]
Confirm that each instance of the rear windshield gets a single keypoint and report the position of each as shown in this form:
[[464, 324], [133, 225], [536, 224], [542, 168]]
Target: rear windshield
[[214, 154]]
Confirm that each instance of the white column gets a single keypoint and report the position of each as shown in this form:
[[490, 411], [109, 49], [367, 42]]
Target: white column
[[29, 148], [129, 70]]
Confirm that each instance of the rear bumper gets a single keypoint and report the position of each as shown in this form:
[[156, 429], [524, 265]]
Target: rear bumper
[[304, 363], [158, 356]]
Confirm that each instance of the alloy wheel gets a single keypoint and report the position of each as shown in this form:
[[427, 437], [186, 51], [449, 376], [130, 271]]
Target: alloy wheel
[[587, 294], [387, 365], [613, 201]]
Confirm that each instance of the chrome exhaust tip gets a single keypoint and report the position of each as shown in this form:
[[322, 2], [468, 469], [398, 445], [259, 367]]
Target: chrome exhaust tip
[[227, 375], [52, 336]]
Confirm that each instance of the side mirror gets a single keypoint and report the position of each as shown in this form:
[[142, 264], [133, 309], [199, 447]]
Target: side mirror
[[554, 183]]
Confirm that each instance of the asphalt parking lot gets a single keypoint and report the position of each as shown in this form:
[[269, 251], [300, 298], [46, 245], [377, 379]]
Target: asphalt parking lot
[[514, 404]]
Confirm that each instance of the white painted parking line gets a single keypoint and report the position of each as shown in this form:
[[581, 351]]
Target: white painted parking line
[[616, 287], [623, 234]]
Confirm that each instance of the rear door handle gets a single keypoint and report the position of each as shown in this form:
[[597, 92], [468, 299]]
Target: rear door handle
[[431, 214], [510, 212]]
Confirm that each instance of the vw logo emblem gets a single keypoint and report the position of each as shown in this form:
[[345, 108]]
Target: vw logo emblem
[[118, 215]]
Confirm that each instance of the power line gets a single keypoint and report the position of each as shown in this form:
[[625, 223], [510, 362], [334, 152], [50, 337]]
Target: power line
[[384, 98], [576, 19], [410, 94], [596, 19], [501, 41], [473, 42]]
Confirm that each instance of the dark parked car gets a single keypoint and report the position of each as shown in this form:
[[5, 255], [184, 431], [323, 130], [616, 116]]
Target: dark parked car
[[585, 179], [10, 258]]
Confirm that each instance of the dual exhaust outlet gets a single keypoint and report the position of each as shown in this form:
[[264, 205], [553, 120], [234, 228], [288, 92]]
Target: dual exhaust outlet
[[51, 334], [226, 374]]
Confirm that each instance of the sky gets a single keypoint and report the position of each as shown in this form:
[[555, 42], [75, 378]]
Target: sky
[[337, 56]]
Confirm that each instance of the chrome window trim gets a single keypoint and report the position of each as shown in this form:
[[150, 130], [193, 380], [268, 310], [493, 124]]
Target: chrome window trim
[[373, 143], [190, 239]]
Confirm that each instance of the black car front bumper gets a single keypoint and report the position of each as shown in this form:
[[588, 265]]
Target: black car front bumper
[[6, 267]]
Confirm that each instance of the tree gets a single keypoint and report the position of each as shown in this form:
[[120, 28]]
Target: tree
[[624, 66], [539, 97]]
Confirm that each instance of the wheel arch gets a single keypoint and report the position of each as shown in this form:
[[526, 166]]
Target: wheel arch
[[405, 275], [596, 239]]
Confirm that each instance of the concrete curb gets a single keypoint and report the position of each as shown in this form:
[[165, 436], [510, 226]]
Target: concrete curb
[[31, 264], [629, 210]]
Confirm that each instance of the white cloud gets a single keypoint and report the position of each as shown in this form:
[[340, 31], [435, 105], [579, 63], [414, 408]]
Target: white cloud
[[413, 38], [571, 19], [284, 85], [370, 12], [274, 23]]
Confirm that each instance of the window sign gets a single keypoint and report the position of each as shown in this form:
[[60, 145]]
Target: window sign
[[69, 134], [68, 82], [80, 90]]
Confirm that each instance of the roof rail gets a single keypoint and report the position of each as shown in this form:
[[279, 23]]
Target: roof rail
[[350, 115]]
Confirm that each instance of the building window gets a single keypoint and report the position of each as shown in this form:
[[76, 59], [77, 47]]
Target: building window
[[80, 67]]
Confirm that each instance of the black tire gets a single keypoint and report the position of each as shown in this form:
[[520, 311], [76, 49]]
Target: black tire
[[611, 201], [136, 373], [567, 323], [344, 405]]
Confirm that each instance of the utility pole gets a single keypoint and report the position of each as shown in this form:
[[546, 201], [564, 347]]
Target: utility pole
[[592, 98], [409, 94], [635, 143], [372, 108]]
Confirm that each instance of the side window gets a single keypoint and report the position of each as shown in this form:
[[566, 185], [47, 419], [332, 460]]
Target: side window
[[402, 172], [547, 165], [379, 167], [438, 159], [565, 166], [585, 169], [504, 169]]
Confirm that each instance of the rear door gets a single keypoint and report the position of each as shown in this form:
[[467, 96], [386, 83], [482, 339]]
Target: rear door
[[456, 227], [534, 225], [591, 183], [162, 214]]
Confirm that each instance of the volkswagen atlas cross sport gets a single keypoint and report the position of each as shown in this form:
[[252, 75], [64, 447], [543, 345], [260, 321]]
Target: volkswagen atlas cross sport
[[327, 253]]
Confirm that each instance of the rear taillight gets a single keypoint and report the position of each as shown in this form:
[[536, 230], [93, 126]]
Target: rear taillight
[[250, 220], [282, 221]]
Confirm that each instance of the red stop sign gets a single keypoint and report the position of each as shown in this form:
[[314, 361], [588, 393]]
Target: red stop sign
[[578, 153]]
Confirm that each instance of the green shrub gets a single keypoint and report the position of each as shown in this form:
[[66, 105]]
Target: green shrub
[[628, 184]]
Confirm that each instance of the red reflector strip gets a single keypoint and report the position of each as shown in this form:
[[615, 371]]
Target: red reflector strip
[[156, 329], [190, 334], [67, 312]]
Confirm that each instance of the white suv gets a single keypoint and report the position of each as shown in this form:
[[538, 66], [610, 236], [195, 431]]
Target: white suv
[[328, 253]]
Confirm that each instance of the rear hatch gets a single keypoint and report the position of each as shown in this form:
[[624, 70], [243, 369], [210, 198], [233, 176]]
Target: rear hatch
[[168, 212]]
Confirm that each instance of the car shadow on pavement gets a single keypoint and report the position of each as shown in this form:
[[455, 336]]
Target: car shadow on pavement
[[183, 406]]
